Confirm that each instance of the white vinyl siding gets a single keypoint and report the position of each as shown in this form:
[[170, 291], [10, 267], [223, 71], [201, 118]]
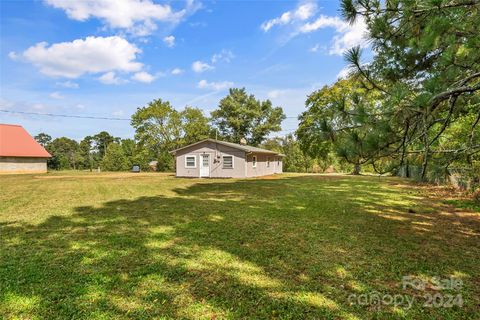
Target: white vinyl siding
[[227, 162], [190, 161]]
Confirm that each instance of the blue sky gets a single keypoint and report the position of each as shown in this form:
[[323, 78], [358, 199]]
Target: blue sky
[[106, 58]]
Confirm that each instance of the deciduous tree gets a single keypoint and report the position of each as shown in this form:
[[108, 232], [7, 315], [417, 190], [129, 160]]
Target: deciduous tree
[[240, 115]]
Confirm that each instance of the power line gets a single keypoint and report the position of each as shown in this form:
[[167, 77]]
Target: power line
[[83, 117], [65, 115]]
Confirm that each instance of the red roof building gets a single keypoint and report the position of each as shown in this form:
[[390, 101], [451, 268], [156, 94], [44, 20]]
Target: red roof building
[[19, 152]]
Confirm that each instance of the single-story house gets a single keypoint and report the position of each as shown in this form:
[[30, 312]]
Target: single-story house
[[19, 152], [219, 159]]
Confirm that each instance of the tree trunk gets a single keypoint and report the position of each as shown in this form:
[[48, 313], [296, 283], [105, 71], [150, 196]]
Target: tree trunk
[[356, 169]]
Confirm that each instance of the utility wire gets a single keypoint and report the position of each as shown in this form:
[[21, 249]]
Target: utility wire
[[65, 115], [82, 117]]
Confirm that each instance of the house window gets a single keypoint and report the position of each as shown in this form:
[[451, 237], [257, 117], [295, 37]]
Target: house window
[[254, 161], [268, 162], [227, 162], [190, 161]]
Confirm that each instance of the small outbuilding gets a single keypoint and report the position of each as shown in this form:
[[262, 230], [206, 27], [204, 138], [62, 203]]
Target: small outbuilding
[[212, 158], [19, 152]]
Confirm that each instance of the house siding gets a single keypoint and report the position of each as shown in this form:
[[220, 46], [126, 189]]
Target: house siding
[[216, 168], [261, 168], [23, 165]]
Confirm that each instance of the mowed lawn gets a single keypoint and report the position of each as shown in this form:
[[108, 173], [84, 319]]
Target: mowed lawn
[[142, 246]]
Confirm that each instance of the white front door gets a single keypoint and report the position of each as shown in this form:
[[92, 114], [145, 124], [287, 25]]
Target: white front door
[[205, 165]]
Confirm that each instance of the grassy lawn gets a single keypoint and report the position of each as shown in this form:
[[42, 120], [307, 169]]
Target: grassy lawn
[[126, 246]]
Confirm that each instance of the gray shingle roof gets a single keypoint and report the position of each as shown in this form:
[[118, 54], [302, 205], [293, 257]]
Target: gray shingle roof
[[233, 145]]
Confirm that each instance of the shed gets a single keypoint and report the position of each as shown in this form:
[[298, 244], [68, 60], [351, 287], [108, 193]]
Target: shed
[[220, 159], [19, 152]]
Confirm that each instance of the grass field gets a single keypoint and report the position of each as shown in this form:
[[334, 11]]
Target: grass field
[[126, 246]]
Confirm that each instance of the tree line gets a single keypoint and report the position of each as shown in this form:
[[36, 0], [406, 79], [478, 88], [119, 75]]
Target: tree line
[[160, 128]]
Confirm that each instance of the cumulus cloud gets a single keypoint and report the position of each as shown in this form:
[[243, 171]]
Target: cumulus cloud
[[353, 35], [111, 78], [347, 36], [301, 13], [144, 77], [302, 20], [89, 55], [216, 86], [177, 71], [56, 95], [200, 66], [138, 17], [224, 55], [68, 84], [169, 41]]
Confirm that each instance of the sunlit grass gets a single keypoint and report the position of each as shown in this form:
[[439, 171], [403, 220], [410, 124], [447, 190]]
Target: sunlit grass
[[141, 246]]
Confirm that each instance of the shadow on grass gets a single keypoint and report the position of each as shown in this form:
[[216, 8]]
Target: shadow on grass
[[288, 248]]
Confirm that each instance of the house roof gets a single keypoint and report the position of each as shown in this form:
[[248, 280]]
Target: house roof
[[16, 142], [248, 149]]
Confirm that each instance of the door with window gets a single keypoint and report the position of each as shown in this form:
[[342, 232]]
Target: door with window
[[205, 165]]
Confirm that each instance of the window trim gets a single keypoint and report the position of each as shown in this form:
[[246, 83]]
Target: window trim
[[195, 160], [254, 161], [223, 161]]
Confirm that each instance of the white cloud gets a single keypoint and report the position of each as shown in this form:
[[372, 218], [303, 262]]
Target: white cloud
[[301, 21], [200, 66], [135, 16], [344, 73], [224, 55], [169, 41], [314, 48], [144, 77], [354, 35], [118, 113], [217, 86], [301, 13], [347, 36], [177, 71], [110, 78], [68, 84], [273, 94], [13, 55], [92, 55], [56, 95], [324, 22]]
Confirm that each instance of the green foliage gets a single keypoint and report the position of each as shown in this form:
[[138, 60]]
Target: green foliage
[[159, 129], [343, 118], [417, 102], [43, 138], [115, 158], [240, 115], [295, 159], [100, 143], [65, 154]]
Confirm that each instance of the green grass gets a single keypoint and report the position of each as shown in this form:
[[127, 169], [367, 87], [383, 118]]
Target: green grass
[[126, 246]]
